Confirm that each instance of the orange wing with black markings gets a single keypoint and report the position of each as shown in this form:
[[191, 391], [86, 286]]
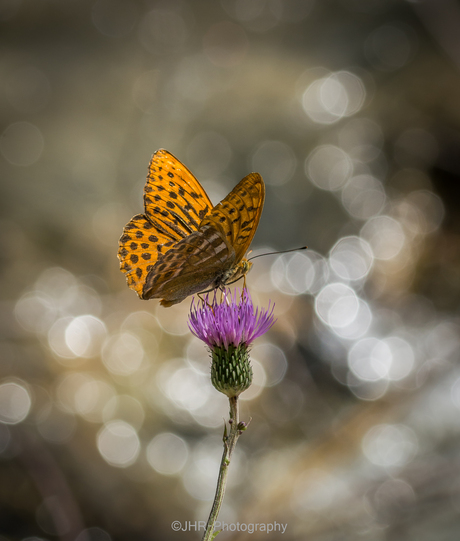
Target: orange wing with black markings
[[175, 203], [173, 196], [182, 244], [239, 213]]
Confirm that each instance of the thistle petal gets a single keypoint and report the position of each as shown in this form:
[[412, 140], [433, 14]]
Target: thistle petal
[[233, 322]]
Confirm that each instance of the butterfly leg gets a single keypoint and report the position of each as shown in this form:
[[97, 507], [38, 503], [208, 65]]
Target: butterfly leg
[[204, 301], [244, 287]]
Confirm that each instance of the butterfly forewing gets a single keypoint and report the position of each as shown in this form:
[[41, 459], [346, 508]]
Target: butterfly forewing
[[239, 213], [173, 196]]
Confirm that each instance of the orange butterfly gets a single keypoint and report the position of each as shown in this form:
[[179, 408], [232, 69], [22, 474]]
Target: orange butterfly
[[183, 244]]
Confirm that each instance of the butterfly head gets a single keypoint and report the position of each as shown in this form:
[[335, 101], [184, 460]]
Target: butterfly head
[[236, 272]]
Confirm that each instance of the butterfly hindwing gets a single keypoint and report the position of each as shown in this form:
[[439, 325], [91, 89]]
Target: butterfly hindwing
[[192, 265], [139, 248]]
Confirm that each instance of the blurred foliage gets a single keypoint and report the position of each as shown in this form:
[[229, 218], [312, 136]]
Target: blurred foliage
[[109, 426]]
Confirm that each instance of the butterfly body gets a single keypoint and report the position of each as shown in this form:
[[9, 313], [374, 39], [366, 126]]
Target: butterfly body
[[183, 244]]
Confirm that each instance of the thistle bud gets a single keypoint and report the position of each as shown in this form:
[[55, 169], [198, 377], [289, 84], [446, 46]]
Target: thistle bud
[[231, 371]]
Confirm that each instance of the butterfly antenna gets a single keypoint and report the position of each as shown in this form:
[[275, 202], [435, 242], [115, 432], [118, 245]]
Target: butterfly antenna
[[282, 252]]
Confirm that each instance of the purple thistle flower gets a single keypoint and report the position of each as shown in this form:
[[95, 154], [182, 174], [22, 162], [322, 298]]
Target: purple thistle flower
[[232, 322], [229, 328]]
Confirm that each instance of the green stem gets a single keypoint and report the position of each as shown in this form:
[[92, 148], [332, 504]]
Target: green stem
[[229, 446]]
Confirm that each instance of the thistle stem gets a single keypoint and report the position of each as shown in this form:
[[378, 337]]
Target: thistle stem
[[229, 446]]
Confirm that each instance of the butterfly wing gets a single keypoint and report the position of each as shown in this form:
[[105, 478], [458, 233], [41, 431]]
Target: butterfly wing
[[194, 264], [173, 196], [175, 204], [139, 249], [238, 215]]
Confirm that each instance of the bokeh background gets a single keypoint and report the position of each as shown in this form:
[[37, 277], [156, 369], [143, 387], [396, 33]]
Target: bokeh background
[[350, 109]]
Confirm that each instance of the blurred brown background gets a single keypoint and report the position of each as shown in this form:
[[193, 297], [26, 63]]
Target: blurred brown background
[[350, 110]]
